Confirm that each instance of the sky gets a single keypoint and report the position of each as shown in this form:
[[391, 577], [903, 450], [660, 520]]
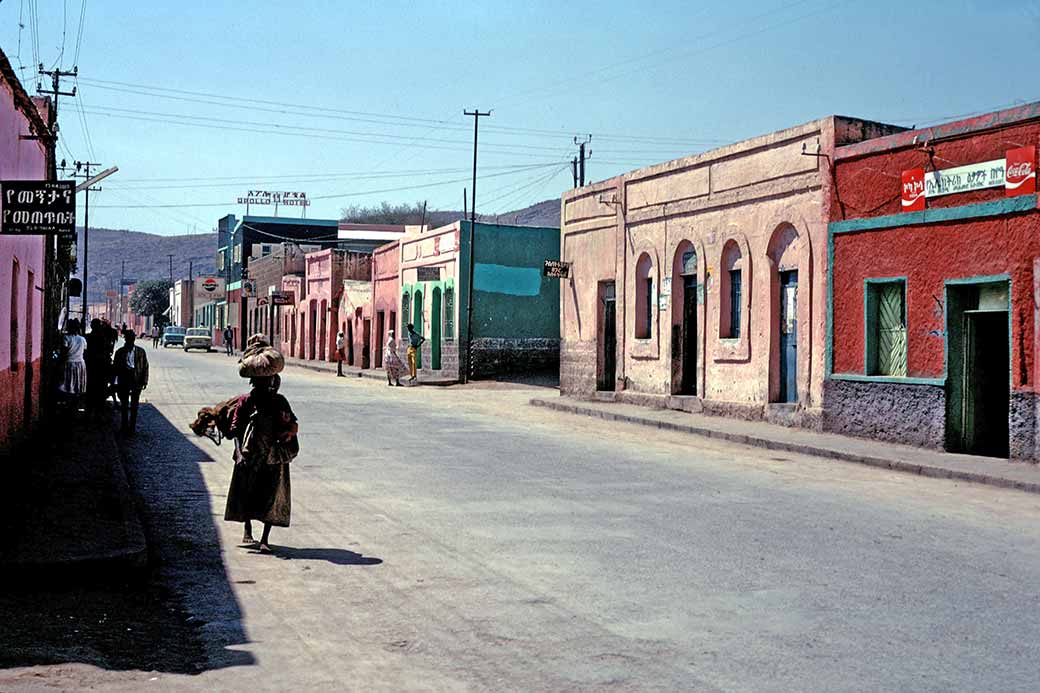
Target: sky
[[198, 103]]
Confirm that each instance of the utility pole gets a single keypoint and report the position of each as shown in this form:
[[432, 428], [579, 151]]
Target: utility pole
[[82, 170], [574, 170], [191, 270], [170, 255], [582, 156], [122, 282], [477, 115]]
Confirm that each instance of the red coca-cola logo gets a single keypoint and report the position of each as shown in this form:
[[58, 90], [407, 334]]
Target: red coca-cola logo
[[1020, 171], [913, 197]]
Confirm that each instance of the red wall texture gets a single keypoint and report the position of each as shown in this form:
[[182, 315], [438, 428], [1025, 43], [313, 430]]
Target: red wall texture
[[927, 256]]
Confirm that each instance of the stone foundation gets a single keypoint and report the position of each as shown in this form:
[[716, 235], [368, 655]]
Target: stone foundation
[[491, 356], [1022, 418], [891, 412], [578, 368]]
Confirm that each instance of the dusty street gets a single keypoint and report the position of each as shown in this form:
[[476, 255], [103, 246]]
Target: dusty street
[[456, 538]]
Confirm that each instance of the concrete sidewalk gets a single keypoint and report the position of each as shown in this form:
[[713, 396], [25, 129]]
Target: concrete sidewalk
[[69, 508], [903, 458], [352, 372]]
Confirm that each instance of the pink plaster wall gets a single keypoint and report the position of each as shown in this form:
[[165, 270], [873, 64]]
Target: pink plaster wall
[[762, 196], [24, 160]]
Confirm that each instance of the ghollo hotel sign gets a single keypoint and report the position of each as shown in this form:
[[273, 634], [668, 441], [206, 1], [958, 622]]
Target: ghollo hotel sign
[[1016, 173], [37, 208], [277, 197]]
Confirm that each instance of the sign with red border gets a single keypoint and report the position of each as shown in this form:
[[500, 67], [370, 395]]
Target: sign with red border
[[1020, 171], [913, 190]]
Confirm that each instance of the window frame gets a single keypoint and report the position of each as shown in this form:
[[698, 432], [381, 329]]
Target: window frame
[[736, 298], [872, 288]]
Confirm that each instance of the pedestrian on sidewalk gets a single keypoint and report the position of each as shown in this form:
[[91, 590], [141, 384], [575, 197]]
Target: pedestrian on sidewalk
[[130, 376], [392, 361], [99, 365], [229, 337], [155, 336], [339, 354], [415, 341], [265, 432], [74, 384]]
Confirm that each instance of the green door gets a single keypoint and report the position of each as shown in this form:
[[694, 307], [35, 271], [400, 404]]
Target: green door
[[435, 329], [417, 321]]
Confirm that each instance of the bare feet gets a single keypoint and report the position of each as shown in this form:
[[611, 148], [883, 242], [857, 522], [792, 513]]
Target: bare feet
[[248, 540], [264, 548]]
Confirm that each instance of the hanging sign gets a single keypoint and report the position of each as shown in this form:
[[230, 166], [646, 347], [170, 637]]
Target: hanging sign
[[36, 207], [209, 289], [282, 298], [556, 269], [1021, 171]]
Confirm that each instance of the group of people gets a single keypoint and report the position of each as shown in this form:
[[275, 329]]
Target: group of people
[[93, 371], [392, 363]]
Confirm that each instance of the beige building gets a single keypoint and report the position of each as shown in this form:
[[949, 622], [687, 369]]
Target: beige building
[[699, 283]]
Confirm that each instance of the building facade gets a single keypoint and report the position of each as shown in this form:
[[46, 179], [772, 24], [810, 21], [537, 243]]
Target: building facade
[[26, 153], [699, 283], [317, 311], [182, 303], [935, 274], [512, 324]]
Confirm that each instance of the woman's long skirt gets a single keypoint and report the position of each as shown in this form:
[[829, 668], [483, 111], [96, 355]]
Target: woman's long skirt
[[259, 492], [75, 382]]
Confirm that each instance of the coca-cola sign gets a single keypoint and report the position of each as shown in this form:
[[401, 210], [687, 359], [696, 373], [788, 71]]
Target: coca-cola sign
[[913, 190], [1020, 171]]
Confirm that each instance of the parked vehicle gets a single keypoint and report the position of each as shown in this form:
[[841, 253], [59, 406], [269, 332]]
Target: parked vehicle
[[198, 338], [172, 335]]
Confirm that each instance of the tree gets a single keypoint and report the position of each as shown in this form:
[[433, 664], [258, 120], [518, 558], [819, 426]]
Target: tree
[[151, 297], [384, 213]]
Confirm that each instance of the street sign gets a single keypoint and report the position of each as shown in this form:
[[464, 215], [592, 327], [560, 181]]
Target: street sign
[[261, 302], [283, 298], [556, 269], [428, 274], [37, 207]]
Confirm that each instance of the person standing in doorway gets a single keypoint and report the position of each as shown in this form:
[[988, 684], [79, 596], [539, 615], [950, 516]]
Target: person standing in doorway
[[130, 367], [340, 343], [415, 341], [229, 337]]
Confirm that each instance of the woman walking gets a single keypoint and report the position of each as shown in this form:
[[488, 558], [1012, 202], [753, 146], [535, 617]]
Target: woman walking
[[392, 362], [264, 428]]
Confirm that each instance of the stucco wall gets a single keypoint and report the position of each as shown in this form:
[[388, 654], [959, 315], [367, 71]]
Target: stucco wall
[[762, 196]]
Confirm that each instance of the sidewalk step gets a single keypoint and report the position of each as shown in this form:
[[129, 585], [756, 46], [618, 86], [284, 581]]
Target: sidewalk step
[[988, 471]]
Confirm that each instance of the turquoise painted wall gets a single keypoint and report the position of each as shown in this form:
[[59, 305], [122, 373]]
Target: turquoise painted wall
[[511, 297]]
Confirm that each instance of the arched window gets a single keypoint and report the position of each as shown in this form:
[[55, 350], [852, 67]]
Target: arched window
[[732, 289], [644, 297]]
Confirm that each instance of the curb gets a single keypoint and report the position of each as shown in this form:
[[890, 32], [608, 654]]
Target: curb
[[371, 373], [798, 448]]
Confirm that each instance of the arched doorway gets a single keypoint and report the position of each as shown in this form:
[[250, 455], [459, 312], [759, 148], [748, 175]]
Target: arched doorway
[[312, 336], [684, 319], [435, 330], [786, 250], [417, 321], [323, 333]]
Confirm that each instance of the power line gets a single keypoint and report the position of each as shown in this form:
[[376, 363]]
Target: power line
[[79, 33]]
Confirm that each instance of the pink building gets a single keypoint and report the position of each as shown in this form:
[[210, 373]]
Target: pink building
[[318, 310], [369, 308], [22, 268]]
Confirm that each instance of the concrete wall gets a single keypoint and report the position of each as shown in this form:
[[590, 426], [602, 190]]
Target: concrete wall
[[764, 200], [386, 293], [438, 249], [22, 273]]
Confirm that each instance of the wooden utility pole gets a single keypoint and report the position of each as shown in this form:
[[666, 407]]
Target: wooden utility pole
[[582, 156]]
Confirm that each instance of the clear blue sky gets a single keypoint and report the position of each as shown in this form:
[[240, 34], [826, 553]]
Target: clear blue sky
[[649, 81]]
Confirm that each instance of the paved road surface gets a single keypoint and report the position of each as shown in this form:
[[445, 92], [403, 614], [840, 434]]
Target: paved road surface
[[457, 539]]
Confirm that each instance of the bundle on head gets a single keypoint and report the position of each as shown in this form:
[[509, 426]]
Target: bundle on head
[[215, 422], [260, 359]]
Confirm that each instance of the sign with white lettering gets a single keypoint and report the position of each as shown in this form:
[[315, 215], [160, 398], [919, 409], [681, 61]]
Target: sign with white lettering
[[556, 269], [913, 190], [282, 298], [986, 174], [428, 274], [276, 197], [36, 207], [1021, 171]]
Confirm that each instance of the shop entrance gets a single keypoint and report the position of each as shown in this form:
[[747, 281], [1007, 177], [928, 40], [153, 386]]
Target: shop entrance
[[607, 356], [979, 379], [366, 342], [788, 336], [417, 321], [435, 330]]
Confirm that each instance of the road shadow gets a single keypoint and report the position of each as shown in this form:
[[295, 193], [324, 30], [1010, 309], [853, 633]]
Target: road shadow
[[334, 556], [178, 615]]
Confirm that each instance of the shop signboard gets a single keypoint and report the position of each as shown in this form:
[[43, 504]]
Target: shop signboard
[[556, 269], [961, 179], [209, 289], [428, 274], [282, 298], [275, 197], [1016, 173], [37, 208]]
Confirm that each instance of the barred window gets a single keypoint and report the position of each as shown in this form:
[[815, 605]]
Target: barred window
[[449, 312], [886, 328]]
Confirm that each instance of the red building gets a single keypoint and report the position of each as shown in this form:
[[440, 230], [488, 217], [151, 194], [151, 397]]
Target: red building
[[369, 308], [934, 266]]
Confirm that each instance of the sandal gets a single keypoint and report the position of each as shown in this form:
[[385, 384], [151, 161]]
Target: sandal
[[264, 548]]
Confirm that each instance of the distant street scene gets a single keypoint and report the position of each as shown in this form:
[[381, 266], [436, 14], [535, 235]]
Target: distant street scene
[[496, 347]]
